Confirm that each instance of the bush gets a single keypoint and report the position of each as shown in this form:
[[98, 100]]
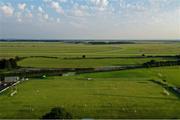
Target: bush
[[83, 56], [57, 113], [143, 55], [17, 58]]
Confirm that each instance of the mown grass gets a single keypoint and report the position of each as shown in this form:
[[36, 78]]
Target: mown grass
[[80, 63], [170, 74], [97, 98]]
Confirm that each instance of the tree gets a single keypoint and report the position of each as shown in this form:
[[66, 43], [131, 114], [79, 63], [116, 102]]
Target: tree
[[57, 113], [143, 55], [13, 63], [8, 64], [84, 56], [152, 62], [17, 58], [2, 63], [178, 56]]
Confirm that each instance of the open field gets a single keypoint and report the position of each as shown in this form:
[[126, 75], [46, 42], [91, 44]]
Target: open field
[[62, 50], [170, 74], [124, 94], [66, 50], [117, 94], [65, 63]]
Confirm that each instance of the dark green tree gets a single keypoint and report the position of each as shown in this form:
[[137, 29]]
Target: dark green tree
[[13, 63], [17, 58], [143, 55], [2, 63], [8, 64], [57, 113], [83, 56]]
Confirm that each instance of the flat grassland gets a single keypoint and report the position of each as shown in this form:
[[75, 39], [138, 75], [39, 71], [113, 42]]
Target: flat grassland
[[63, 50], [120, 94]]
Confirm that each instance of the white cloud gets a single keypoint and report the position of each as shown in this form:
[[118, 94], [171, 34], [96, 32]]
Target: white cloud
[[102, 4], [80, 10], [47, 0], [7, 10], [135, 7], [22, 6], [57, 7], [63, 1], [40, 9], [42, 14], [82, 17]]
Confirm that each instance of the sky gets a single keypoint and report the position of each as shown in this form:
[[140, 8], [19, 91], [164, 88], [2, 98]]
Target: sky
[[90, 19]]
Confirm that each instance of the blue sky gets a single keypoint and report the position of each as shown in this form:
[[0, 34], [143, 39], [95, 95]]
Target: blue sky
[[90, 19]]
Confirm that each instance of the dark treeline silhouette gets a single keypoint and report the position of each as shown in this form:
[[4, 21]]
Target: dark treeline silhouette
[[8, 63], [11, 63], [129, 57], [161, 56], [21, 58], [154, 63], [39, 72], [42, 57], [109, 42]]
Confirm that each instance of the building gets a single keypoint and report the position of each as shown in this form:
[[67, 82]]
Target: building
[[9, 79]]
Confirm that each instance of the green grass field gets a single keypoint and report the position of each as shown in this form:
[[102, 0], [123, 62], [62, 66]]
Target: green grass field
[[66, 50], [124, 94], [80, 63], [170, 74], [119, 94], [62, 50]]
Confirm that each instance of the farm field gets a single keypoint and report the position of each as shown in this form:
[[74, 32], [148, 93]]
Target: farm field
[[116, 94]]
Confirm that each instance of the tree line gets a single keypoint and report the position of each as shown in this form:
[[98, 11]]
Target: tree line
[[154, 63], [8, 63]]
